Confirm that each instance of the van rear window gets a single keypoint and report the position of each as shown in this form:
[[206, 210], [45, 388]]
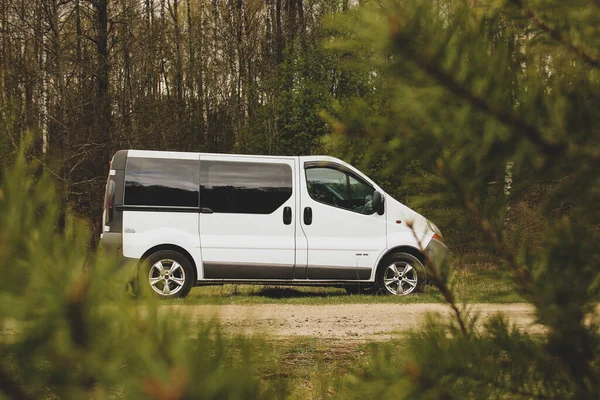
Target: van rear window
[[243, 187], [161, 182]]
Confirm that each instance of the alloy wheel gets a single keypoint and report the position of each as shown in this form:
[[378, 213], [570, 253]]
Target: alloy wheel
[[166, 277], [400, 278]]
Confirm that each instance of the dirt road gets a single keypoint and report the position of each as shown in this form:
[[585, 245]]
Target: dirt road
[[346, 321]]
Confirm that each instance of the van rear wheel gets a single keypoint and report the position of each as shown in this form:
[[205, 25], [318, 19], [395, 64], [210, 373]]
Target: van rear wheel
[[400, 274], [168, 274]]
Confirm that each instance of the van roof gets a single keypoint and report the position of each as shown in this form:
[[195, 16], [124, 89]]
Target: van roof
[[194, 156]]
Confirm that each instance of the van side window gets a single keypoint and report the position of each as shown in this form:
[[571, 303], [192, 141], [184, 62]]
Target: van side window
[[161, 182], [243, 187], [339, 189]]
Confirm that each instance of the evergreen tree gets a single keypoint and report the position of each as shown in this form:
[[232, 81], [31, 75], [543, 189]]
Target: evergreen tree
[[477, 86], [69, 330]]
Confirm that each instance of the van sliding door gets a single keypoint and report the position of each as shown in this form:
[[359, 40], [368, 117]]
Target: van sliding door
[[247, 220]]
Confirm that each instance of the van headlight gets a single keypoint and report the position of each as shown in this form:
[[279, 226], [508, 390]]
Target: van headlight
[[436, 231]]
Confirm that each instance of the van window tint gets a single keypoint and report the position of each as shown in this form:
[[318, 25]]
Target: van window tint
[[244, 188], [161, 182], [339, 189]]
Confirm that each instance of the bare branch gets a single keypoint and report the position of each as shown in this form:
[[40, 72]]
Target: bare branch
[[47, 168], [91, 180], [94, 3], [433, 273]]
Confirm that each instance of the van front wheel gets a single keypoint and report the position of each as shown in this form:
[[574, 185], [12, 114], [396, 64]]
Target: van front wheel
[[168, 274], [400, 274]]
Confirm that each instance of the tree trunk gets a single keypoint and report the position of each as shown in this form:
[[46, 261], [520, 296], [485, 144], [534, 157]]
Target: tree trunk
[[103, 110], [127, 90], [278, 33], [190, 76], [242, 41], [179, 105], [201, 111], [291, 20], [508, 181], [4, 43], [301, 22], [78, 49]]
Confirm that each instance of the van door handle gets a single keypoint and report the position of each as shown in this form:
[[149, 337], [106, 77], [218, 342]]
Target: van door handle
[[287, 215], [307, 215]]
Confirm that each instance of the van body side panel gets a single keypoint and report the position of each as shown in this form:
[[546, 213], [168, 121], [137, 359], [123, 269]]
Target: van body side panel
[[406, 222], [244, 231], [143, 230], [161, 203], [404, 227]]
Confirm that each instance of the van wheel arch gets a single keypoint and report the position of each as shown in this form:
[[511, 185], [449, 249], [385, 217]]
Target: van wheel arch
[[175, 248], [400, 273], [413, 251]]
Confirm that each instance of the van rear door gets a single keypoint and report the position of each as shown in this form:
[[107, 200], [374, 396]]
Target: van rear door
[[112, 215]]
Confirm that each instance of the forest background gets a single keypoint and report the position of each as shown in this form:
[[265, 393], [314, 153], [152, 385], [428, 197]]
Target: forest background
[[236, 76], [482, 115], [277, 77]]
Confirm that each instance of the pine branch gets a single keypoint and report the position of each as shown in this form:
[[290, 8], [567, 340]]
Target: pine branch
[[484, 225], [447, 80], [434, 275], [11, 388], [557, 35], [521, 273], [511, 389]]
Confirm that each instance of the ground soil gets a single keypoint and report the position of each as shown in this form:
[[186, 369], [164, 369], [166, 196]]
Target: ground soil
[[347, 321]]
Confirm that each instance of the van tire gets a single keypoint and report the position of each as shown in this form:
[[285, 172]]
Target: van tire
[[400, 274], [166, 274]]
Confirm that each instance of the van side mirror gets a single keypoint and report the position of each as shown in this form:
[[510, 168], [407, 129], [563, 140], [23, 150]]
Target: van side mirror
[[378, 203]]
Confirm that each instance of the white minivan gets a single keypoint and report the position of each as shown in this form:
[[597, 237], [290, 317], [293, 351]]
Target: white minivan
[[210, 219]]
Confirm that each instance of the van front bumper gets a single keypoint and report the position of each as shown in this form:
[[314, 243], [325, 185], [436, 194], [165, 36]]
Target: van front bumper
[[438, 253]]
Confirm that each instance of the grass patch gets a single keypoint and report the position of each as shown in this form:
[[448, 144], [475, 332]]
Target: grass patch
[[471, 283], [483, 283], [310, 368]]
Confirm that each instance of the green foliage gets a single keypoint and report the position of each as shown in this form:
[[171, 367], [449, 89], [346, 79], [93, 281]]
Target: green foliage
[[7, 124], [472, 90], [69, 329]]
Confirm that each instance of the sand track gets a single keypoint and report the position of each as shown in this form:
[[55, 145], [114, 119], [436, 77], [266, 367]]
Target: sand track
[[344, 321]]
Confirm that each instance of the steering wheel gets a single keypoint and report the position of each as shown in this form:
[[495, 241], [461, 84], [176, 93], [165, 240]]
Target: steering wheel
[[368, 204]]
